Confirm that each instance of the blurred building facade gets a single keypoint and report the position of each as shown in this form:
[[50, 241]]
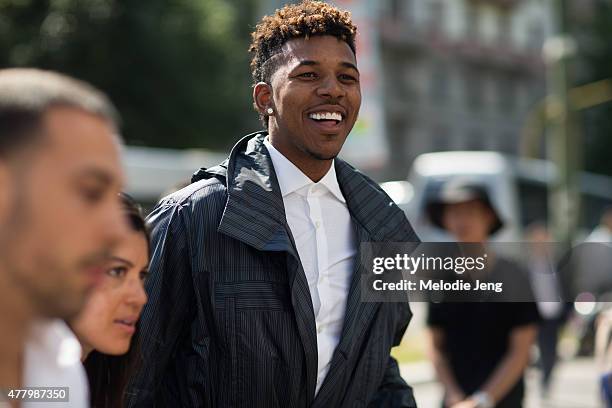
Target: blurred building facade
[[460, 74], [448, 74]]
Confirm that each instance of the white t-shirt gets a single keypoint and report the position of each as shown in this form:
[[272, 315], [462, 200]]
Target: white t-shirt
[[53, 359]]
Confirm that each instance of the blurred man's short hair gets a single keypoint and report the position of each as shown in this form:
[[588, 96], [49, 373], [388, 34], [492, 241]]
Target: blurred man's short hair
[[27, 94]]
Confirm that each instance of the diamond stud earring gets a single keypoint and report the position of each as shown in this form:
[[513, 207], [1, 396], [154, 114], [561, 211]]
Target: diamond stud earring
[[270, 111]]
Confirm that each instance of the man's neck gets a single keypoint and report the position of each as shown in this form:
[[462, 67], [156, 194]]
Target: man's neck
[[15, 320], [314, 169], [318, 172]]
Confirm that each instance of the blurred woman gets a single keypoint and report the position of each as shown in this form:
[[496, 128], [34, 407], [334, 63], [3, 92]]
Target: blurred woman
[[107, 326]]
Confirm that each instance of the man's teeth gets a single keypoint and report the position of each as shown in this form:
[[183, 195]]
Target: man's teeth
[[326, 116]]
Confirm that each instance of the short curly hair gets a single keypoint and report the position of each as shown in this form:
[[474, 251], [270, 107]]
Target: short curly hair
[[307, 19]]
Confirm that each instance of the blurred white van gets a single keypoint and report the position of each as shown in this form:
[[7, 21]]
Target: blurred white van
[[518, 187], [152, 172], [430, 171]]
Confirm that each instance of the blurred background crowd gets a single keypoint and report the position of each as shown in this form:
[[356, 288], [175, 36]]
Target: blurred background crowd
[[515, 94]]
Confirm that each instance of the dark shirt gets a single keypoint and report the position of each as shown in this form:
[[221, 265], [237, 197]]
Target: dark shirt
[[477, 336]]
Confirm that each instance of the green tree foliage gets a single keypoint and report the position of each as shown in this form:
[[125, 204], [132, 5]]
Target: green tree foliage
[[177, 69]]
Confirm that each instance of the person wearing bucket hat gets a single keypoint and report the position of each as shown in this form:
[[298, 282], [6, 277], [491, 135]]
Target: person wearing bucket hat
[[466, 197], [479, 349]]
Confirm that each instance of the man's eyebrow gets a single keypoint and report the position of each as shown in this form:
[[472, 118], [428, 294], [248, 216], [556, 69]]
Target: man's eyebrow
[[99, 175], [345, 64], [307, 62]]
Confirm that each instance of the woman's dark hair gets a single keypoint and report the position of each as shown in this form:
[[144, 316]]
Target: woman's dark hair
[[109, 375], [135, 216]]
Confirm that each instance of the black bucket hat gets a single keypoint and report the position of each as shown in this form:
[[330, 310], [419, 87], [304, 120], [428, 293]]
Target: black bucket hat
[[460, 191]]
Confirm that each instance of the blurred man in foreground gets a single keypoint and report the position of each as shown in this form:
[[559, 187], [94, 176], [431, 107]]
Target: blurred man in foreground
[[60, 175]]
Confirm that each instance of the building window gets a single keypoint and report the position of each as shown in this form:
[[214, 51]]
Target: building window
[[507, 95], [474, 90], [401, 88], [436, 15], [536, 36], [404, 83], [439, 84], [472, 21], [400, 9], [509, 143], [505, 28], [475, 140], [440, 139], [396, 9]]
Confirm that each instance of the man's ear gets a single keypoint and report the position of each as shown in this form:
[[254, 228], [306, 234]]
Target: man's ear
[[262, 98]]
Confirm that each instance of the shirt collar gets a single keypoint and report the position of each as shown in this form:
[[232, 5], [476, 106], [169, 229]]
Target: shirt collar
[[331, 182], [290, 177]]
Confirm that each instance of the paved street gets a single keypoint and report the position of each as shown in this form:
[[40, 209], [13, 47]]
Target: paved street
[[574, 386]]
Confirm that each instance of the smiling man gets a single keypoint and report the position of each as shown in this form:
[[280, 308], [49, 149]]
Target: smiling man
[[254, 292]]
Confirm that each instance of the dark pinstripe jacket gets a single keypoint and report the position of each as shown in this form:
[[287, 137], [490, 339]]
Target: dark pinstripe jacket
[[230, 323]]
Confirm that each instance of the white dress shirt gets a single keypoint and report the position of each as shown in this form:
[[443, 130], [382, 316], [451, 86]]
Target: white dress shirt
[[323, 232], [53, 359]]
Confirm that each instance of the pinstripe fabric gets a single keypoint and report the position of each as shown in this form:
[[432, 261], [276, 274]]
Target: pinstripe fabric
[[230, 323]]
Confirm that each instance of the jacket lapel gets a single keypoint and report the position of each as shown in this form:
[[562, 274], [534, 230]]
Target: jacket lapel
[[254, 212], [255, 215], [374, 216]]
